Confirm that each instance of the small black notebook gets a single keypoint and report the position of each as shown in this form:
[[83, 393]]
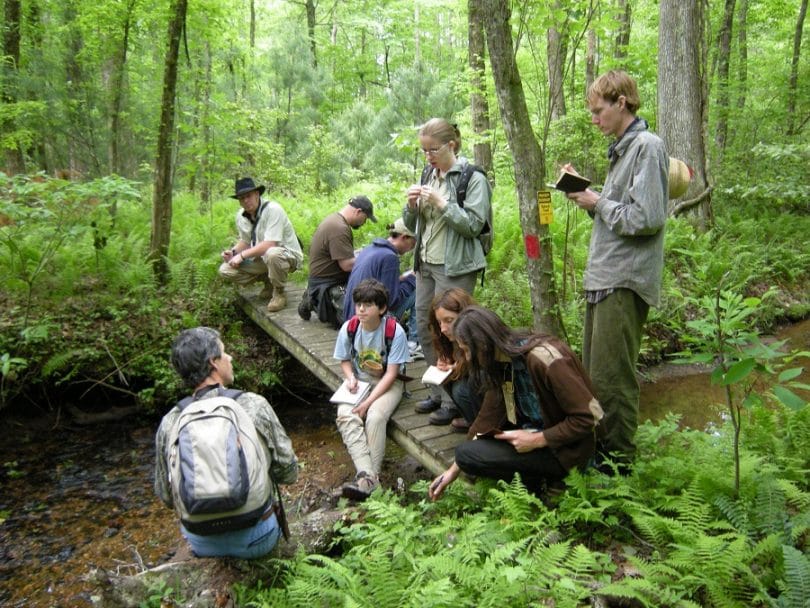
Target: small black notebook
[[569, 182]]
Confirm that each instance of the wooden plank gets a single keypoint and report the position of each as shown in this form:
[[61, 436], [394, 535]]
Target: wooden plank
[[312, 343]]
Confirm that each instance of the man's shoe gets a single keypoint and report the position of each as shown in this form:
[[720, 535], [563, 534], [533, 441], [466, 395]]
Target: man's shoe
[[460, 425], [304, 310], [442, 416], [362, 486], [415, 351], [267, 292], [427, 405], [278, 302]]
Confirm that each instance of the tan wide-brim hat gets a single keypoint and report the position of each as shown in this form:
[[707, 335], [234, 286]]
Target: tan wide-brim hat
[[679, 177]]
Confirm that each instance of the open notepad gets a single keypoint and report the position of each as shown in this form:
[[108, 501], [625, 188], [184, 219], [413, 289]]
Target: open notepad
[[433, 375], [343, 395]]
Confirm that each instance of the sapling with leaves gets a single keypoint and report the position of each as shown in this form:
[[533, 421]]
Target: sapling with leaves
[[752, 372]]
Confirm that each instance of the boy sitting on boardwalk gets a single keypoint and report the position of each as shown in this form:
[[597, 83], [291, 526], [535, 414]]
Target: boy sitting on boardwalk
[[369, 349]]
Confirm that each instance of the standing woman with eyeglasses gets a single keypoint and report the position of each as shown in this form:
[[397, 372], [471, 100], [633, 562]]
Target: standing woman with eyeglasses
[[448, 252]]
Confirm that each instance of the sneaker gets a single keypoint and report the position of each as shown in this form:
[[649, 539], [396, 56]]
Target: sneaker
[[415, 350], [304, 309], [427, 405], [362, 486], [442, 416], [460, 425]]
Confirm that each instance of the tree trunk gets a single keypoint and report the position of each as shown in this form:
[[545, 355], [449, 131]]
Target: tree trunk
[[162, 201], [529, 164], [478, 97], [681, 95], [623, 35], [252, 24], [15, 161], [590, 60], [117, 93], [793, 83], [723, 55], [556, 48], [742, 51], [311, 31]]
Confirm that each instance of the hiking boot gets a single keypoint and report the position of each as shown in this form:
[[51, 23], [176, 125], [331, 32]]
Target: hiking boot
[[427, 405], [442, 416], [362, 486], [460, 425], [278, 302], [267, 292], [304, 308]]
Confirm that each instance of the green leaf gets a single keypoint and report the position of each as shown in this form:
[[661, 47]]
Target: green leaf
[[790, 374], [789, 398], [739, 371]]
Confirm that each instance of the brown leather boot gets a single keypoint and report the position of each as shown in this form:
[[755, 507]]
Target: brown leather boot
[[278, 302], [267, 292]]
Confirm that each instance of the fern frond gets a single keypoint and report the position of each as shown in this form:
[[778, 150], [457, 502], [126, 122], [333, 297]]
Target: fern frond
[[797, 578]]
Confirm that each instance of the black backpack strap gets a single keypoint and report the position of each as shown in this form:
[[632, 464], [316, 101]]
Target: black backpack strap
[[425, 177], [464, 180]]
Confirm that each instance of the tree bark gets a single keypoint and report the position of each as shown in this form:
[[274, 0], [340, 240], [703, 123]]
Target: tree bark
[[681, 95], [624, 10], [117, 92], [311, 32], [793, 83], [723, 55], [479, 106], [556, 49], [529, 164], [162, 201], [742, 52], [9, 63]]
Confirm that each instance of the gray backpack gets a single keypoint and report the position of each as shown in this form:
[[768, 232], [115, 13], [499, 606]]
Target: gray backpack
[[218, 465]]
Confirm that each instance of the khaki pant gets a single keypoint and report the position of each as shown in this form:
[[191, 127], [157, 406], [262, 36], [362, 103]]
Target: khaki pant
[[365, 441], [275, 264], [609, 353]]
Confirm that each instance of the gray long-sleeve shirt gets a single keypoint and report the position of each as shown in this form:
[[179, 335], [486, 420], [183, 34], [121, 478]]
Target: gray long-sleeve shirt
[[627, 240]]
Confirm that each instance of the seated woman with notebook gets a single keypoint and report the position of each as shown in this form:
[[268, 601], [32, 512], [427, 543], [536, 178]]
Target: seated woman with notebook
[[367, 355], [538, 416]]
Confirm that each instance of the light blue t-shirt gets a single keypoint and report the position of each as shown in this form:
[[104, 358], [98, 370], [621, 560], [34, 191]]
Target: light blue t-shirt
[[370, 346]]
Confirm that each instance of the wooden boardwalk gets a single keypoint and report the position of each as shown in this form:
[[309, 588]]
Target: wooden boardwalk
[[313, 342]]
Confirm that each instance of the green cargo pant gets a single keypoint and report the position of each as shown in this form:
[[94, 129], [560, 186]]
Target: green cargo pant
[[613, 331]]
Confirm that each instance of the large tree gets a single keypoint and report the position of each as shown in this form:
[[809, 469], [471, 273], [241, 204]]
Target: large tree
[[529, 163], [478, 94], [682, 96], [9, 70], [162, 199]]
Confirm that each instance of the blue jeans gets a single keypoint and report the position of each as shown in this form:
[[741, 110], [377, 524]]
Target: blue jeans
[[249, 543]]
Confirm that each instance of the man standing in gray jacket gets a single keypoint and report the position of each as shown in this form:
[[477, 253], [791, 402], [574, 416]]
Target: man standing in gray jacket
[[626, 256]]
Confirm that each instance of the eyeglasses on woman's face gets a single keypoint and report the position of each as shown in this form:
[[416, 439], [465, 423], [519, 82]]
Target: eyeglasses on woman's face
[[434, 151]]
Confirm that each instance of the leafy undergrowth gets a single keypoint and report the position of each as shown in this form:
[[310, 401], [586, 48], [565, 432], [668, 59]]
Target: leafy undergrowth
[[669, 534]]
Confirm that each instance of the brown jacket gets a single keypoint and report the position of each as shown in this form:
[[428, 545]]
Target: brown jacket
[[570, 410]]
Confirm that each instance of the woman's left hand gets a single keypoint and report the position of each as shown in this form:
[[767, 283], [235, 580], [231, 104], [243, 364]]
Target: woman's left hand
[[523, 441]]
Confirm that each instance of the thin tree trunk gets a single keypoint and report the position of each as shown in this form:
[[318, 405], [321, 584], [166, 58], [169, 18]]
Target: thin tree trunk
[[681, 94], [15, 161], [311, 31], [723, 56], [162, 201], [117, 85], [478, 97], [742, 52], [529, 164], [623, 35], [252, 24], [793, 83], [556, 49]]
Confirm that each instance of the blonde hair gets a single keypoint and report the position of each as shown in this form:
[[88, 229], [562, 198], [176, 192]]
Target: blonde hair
[[612, 85], [442, 131]]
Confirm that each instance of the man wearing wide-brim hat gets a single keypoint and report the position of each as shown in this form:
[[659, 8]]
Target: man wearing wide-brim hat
[[268, 249]]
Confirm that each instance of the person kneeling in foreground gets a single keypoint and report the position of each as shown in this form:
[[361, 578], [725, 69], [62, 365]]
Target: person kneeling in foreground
[[538, 416], [366, 354], [223, 510]]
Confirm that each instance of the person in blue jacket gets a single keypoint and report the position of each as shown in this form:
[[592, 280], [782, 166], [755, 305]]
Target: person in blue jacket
[[381, 261]]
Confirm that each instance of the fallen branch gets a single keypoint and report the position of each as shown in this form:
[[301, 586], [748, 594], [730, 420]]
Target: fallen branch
[[684, 205]]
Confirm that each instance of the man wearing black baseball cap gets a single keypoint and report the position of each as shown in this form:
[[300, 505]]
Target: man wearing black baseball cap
[[267, 250], [331, 258]]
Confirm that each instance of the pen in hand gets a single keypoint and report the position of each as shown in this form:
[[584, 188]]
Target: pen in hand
[[437, 483]]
